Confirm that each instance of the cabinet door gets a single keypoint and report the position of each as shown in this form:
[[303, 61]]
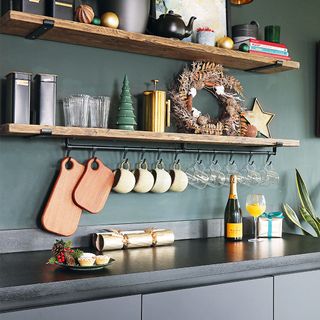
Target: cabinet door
[[296, 296], [243, 300], [109, 309]]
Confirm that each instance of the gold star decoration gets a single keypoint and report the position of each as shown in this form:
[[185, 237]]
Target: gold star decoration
[[259, 118]]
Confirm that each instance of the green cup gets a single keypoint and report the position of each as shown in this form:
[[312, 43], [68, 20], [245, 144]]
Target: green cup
[[272, 34]]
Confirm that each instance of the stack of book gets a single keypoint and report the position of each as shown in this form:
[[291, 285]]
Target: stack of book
[[270, 49]]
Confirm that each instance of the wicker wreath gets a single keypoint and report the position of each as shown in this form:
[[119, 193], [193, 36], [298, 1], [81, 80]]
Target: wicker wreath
[[227, 90]]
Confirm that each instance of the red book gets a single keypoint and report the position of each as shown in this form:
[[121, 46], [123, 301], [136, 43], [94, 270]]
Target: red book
[[268, 43], [271, 55]]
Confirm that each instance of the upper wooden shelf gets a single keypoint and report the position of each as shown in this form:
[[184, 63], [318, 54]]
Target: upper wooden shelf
[[23, 24], [146, 136]]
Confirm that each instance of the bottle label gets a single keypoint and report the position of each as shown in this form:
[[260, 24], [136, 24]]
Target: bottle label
[[234, 230]]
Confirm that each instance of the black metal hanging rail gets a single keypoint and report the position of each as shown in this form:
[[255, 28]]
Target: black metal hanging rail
[[71, 146]]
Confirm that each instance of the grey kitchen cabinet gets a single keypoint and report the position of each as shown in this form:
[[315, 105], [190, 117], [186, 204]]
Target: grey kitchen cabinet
[[113, 309], [296, 296], [242, 300]]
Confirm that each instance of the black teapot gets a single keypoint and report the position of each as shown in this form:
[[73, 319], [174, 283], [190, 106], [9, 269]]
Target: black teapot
[[171, 25]]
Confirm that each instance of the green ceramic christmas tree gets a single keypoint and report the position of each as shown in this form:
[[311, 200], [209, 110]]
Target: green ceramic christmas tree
[[126, 119]]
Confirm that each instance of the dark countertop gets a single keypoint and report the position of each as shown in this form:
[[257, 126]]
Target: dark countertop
[[26, 280]]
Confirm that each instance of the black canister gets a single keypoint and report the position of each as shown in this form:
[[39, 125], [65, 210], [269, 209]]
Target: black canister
[[246, 30], [30, 6], [18, 97], [62, 9], [45, 99]]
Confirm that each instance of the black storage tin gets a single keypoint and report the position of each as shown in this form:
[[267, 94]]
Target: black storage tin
[[62, 9], [30, 6], [246, 30], [18, 97], [45, 94]]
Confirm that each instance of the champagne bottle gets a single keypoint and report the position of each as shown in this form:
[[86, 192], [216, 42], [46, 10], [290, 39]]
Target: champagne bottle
[[233, 215]]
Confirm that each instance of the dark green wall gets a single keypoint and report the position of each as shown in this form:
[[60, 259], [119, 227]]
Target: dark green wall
[[28, 165]]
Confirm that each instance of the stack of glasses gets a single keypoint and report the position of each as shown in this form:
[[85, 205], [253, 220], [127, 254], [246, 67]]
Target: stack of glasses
[[86, 111]]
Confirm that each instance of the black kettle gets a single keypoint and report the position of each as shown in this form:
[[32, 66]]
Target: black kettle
[[169, 25]]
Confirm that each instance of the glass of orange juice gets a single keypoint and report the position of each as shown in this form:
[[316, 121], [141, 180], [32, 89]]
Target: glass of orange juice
[[256, 206]]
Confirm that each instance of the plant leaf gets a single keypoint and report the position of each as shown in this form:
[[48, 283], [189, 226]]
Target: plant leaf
[[310, 220], [52, 260], [292, 216], [304, 195]]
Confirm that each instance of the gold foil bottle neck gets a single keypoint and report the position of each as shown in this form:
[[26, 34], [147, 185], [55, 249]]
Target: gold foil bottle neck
[[233, 179], [233, 187]]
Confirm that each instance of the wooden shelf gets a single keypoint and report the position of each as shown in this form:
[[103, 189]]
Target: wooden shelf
[[146, 136], [22, 24]]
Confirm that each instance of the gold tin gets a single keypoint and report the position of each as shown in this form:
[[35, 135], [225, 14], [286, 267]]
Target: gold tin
[[156, 113]]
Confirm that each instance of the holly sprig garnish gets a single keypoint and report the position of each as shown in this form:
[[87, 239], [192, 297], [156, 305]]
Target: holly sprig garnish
[[63, 253]]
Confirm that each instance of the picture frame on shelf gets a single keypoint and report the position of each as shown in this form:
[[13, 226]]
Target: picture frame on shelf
[[214, 14]]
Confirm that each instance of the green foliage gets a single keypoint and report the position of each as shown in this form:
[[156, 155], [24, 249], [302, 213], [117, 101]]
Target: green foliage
[[68, 244], [77, 254], [306, 209], [52, 260]]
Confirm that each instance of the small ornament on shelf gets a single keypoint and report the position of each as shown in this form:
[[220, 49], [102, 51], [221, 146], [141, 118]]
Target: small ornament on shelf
[[84, 14], [259, 118], [96, 21], [225, 43], [126, 117], [110, 20], [244, 47], [247, 129]]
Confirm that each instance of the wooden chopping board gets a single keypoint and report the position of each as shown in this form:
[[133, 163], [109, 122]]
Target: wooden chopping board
[[61, 215], [93, 189]]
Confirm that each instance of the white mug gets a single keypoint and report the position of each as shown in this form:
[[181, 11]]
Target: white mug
[[162, 179], [179, 178], [144, 178], [124, 180]]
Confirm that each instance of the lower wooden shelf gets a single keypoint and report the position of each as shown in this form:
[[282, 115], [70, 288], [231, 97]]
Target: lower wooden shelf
[[146, 136]]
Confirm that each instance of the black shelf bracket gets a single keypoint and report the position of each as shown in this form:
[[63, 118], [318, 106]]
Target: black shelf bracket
[[277, 64], [46, 132], [46, 25]]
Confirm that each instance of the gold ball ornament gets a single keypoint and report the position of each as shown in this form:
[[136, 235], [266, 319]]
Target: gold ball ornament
[[225, 42], [84, 14], [110, 19]]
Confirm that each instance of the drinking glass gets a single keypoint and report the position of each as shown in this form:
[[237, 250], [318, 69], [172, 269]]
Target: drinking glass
[[253, 176], [76, 110], [99, 108], [269, 175], [232, 169], [197, 176], [256, 206], [216, 177]]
